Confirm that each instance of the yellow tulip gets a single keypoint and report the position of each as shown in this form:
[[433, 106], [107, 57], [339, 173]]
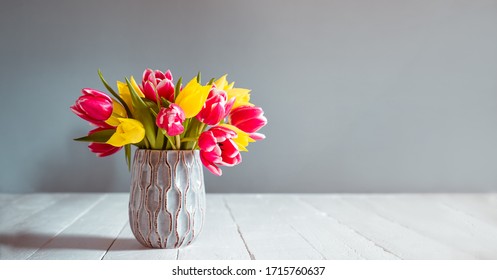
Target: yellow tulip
[[118, 111], [129, 131], [125, 94], [242, 140], [241, 95], [222, 83], [192, 98], [136, 87]]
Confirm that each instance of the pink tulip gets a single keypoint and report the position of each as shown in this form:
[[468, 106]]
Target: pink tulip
[[257, 136], [216, 107], [94, 106], [171, 119], [218, 148], [102, 149], [158, 83], [249, 119]]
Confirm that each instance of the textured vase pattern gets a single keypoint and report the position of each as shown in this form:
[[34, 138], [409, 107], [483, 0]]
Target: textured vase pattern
[[167, 198]]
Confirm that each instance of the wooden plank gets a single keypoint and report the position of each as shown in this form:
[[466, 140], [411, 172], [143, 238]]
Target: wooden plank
[[27, 236], [267, 235], [425, 214], [23, 206], [7, 198], [89, 237], [219, 239], [328, 236], [393, 237], [127, 248], [479, 206]]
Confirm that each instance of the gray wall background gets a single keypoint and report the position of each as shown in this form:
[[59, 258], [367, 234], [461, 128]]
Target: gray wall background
[[361, 96]]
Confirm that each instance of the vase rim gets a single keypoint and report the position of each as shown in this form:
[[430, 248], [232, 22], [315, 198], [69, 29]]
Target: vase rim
[[167, 151]]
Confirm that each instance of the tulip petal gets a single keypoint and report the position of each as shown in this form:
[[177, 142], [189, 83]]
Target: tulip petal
[[102, 149], [242, 140], [136, 87], [146, 74], [221, 82], [210, 166], [129, 131], [123, 90], [229, 106], [118, 111], [168, 75], [95, 93], [246, 112], [248, 118], [242, 96], [206, 141], [95, 107], [165, 88], [252, 125], [192, 98], [150, 91], [257, 136], [230, 148]]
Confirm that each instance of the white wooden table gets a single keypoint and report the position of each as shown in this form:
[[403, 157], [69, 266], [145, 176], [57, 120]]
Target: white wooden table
[[243, 226]]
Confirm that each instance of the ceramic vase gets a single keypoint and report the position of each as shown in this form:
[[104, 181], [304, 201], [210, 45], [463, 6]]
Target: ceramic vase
[[167, 197]]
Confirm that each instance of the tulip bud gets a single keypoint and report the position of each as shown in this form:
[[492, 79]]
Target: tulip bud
[[156, 83], [248, 118], [93, 106], [218, 148], [129, 131], [171, 119], [216, 107], [102, 149]]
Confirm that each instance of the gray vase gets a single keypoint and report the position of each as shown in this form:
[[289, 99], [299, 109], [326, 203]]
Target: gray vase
[[167, 198]]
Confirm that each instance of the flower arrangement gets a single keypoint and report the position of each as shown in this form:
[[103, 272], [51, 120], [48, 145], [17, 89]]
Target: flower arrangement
[[216, 118]]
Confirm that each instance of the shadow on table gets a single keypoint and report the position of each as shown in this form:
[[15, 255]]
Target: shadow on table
[[86, 242]]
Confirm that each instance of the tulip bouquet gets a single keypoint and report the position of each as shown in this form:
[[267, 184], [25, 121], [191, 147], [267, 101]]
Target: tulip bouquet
[[216, 118]]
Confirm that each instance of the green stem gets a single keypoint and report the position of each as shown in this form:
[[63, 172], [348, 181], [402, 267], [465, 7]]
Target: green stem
[[199, 131], [178, 142], [147, 145], [171, 141], [188, 139], [201, 128]]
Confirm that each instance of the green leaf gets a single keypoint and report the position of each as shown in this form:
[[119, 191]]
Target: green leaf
[[165, 102], [177, 88], [127, 155], [191, 128], [153, 112], [152, 105], [188, 139], [109, 88], [98, 137], [170, 140], [211, 81], [159, 141], [135, 98], [199, 77], [186, 125], [143, 115]]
